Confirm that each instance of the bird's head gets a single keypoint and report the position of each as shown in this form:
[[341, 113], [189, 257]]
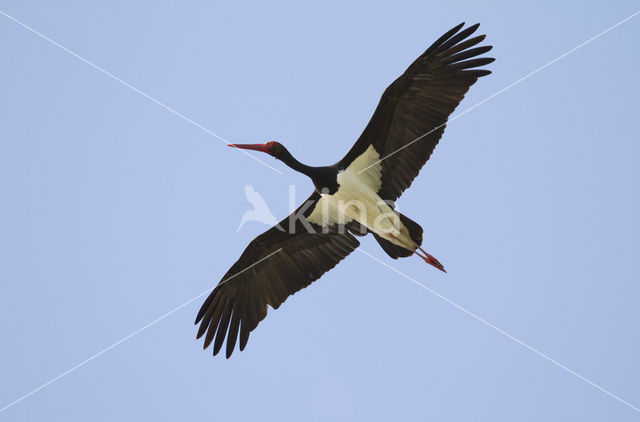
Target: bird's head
[[272, 148]]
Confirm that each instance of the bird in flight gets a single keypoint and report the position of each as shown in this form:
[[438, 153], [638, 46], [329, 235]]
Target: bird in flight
[[352, 197]]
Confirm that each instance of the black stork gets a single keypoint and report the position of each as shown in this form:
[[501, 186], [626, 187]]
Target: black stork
[[352, 197]]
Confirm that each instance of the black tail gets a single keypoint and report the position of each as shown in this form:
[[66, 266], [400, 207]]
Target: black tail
[[394, 251]]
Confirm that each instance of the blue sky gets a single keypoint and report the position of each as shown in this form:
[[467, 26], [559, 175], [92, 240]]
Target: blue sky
[[116, 211]]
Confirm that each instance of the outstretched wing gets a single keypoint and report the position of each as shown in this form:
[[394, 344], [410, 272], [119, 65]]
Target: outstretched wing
[[275, 265], [413, 111]]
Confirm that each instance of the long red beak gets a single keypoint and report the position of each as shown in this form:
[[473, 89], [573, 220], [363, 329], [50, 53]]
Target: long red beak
[[255, 147]]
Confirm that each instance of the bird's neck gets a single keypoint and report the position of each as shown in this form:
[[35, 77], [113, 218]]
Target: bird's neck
[[290, 161]]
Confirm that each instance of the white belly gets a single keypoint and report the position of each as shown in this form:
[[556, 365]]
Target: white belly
[[357, 199]]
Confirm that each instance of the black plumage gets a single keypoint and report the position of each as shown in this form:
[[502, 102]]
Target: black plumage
[[404, 129]]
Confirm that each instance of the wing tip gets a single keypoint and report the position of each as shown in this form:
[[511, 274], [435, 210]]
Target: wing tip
[[201, 331], [452, 37], [457, 51], [201, 313]]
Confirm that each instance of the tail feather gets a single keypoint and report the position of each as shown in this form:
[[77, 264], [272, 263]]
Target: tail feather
[[395, 251], [415, 230]]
